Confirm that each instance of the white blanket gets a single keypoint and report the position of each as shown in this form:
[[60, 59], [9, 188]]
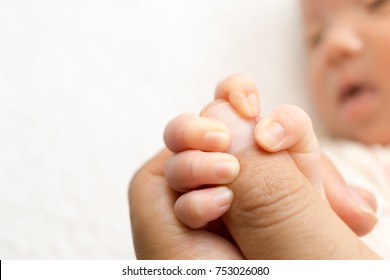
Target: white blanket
[[86, 88], [366, 167]]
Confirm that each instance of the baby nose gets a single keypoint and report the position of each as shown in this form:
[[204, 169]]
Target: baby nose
[[343, 43]]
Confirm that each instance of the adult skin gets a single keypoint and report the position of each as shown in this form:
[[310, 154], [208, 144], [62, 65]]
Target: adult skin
[[274, 215]]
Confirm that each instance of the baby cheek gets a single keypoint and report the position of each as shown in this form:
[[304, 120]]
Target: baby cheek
[[317, 85], [320, 95], [381, 75], [378, 46]]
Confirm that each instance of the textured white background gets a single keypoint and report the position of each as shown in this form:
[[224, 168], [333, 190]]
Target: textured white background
[[86, 88]]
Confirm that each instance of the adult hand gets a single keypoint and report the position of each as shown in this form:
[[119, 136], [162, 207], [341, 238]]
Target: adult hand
[[276, 214], [201, 142], [157, 233]]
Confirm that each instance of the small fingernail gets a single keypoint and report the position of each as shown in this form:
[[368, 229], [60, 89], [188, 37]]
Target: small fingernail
[[227, 169], [246, 105], [253, 104], [216, 139], [363, 204], [223, 197], [272, 135]]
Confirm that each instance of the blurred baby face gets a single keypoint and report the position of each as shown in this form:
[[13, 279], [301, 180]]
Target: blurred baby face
[[348, 45]]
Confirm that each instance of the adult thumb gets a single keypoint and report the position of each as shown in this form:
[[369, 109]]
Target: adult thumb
[[276, 213]]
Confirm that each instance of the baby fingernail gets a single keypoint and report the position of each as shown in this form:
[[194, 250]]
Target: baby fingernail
[[223, 197], [216, 139], [247, 105], [227, 169], [253, 104], [272, 135]]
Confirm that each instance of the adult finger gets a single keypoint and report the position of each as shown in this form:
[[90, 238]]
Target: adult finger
[[276, 213]]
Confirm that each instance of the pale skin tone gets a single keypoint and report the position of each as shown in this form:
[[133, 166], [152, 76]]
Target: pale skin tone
[[346, 50], [275, 215], [313, 231], [194, 165], [348, 59], [203, 154]]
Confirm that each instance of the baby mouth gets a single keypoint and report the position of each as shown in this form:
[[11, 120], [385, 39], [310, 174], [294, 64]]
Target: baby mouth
[[357, 100], [354, 91]]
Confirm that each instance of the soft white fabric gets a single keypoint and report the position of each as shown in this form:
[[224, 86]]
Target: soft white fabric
[[86, 88], [367, 167]]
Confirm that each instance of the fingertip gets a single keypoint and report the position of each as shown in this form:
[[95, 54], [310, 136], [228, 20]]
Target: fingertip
[[241, 91], [197, 208], [216, 141], [223, 197], [174, 132], [254, 104], [270, 136], [189, 131], [227, 169], [366, 210], [209, 106], [246, 104], [286, 128], [191, 169], [355, 206]]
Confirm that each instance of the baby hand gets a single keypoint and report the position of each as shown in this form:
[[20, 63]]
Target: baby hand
[[199, 142]]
